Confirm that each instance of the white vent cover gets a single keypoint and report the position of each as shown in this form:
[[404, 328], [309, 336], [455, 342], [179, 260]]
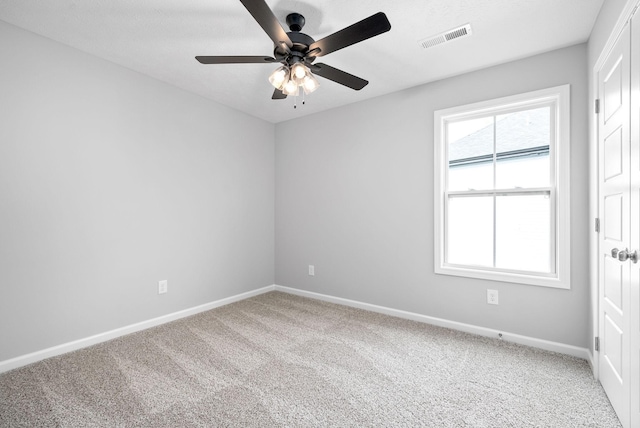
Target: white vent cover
[[447, 36]]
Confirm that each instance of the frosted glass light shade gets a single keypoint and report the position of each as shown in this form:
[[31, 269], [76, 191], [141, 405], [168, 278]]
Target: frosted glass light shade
[[290, 88], [279, 77], [310, 83]]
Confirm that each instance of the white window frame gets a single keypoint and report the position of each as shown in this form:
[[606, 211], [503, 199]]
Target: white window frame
[[559, 155]]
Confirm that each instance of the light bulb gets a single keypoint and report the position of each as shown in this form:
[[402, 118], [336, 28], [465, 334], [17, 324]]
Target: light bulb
[[298, 72], [279, 77], [290, 88], [310, 84]]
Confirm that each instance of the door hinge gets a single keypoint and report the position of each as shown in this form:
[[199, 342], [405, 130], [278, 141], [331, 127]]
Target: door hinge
[[596, 345], [597, 225], [597, 107]]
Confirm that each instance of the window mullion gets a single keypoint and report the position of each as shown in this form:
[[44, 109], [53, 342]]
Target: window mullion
[[495, 160]]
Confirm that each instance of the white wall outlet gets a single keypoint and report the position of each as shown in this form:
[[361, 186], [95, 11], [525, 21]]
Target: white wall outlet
[[162, 286], [312, 270], [492, 297]]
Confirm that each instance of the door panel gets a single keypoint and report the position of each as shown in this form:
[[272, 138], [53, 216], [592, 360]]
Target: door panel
[[613, 87], [613, 347], [613, 156], [613, 283], [613, 218]]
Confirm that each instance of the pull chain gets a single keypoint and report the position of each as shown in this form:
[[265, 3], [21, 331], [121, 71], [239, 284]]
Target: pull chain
[[295, 98]]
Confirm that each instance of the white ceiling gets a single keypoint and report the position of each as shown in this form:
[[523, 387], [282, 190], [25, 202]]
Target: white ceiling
[[160, 38]]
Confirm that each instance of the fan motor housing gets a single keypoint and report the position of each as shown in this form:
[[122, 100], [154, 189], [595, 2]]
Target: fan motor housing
[[300, 39], [301, 43]]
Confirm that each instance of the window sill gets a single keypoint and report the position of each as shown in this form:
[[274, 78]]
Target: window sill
[[555, 281]]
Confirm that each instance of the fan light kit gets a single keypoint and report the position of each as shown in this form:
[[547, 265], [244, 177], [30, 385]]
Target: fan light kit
[[297, 51], [289, 81]]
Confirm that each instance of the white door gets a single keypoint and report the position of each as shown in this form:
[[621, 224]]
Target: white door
[[614, 206]]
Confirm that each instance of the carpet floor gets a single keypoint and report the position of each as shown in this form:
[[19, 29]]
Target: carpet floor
[[278, 360]]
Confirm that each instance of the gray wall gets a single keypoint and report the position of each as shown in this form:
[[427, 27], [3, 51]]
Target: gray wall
[[111, 181], [354, 197]]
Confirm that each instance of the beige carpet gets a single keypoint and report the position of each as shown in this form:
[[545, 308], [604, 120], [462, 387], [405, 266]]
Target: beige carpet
[[282, 360]]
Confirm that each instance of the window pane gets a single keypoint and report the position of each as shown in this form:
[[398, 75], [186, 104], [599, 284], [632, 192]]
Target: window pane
[[523, 172], [479, 175], [522, 148], [470, 237], [523, 233], [470, 144]]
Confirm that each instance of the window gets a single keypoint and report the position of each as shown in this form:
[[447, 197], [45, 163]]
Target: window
[[502, 189]]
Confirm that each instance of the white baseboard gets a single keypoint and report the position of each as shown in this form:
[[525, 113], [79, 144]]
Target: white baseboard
[[468, 328], [109, 335]]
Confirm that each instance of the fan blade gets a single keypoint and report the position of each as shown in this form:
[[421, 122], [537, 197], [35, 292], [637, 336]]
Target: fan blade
[[268, 21], [339, 76], [278, 95], [363, 30], [235, 59]]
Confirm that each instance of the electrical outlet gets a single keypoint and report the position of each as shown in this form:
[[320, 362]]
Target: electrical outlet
[[312, 270], [162, 286], [492, 297]]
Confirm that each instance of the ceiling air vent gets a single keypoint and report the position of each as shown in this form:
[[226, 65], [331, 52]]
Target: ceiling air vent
[[447, 36]]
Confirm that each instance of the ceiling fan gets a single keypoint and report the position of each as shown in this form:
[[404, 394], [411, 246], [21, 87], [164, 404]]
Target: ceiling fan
[[297, 51]]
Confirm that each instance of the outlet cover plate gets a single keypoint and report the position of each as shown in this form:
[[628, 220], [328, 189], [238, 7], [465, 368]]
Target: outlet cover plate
[[492, 297], [162, 286]]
